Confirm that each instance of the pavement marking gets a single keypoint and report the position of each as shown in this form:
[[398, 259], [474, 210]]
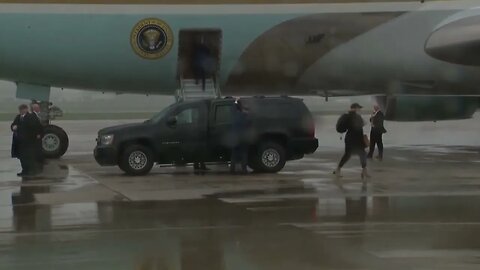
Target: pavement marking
[[78, 230], [431, 253], [107, 187], [366, 224]]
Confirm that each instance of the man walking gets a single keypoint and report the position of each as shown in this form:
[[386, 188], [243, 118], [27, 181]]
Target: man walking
[[376, 133], [352, 123]]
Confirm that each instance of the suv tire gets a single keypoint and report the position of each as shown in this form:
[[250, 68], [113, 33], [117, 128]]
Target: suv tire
[[136, 160], [270, 157]]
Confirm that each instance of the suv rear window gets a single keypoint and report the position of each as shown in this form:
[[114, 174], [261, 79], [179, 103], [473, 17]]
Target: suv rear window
[[284, 110]]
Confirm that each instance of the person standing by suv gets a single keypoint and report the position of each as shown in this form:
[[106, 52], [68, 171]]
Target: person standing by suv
[[240, 127], [200, 154], [352, 123]]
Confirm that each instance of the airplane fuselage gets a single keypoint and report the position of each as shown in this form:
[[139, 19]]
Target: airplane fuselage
[[296, 49]]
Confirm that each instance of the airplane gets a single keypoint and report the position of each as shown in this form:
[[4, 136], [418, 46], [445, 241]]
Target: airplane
[[419, 58]]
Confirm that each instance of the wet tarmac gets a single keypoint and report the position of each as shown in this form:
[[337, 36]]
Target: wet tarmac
[[418, 211]]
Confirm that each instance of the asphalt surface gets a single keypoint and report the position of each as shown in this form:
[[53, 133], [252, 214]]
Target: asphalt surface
[[418, 211]]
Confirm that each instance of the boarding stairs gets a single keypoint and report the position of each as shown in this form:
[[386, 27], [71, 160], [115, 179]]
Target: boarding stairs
[[190, 90]]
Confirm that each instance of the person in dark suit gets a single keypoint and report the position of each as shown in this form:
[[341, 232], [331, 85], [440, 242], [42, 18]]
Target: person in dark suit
[[37, 129], [22, 111], [29, 134], [376, 133], [203, 62], [240, 126], [354, 139], [26, 144]]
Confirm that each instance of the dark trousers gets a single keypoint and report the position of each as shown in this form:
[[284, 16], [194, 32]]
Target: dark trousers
[[28, 158], [239, 155], [376, 139], [40, 159], [349, 150], [201, 155], [200, 74], [31, 156]]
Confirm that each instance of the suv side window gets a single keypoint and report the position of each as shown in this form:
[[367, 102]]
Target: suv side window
[[188, 116], [223, 114]]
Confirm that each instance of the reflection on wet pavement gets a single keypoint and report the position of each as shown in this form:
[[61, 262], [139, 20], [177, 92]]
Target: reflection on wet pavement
[[419, 211], [352, 233]]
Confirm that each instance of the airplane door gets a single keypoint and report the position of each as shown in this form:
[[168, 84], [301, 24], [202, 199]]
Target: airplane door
[[199, 45]]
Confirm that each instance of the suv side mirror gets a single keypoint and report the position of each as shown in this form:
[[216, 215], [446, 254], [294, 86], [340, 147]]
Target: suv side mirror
[[172, 121]]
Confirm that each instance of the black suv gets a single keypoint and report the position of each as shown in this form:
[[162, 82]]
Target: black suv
[[282, 129]]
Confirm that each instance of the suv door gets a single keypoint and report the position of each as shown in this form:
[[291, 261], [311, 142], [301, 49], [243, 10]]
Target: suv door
[[186, 134], [221, 116]]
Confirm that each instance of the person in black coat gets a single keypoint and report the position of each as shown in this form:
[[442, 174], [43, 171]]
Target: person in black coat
[[29, 134], [240, 127], [353, 123], [38, 130], [25, 144], [22, 111], [376, 133], [202, 62]]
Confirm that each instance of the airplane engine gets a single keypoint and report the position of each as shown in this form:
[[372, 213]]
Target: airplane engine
[[427, 108], [457, 39]]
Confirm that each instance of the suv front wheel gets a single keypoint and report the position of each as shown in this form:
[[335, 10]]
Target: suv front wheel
[[136, 160], [270, 157]]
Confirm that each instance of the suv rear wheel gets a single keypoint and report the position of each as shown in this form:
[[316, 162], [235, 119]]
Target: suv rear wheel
[[270, 157], [136, 160]]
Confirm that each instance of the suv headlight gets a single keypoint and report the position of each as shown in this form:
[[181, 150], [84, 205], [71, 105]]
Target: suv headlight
[[106, 139]]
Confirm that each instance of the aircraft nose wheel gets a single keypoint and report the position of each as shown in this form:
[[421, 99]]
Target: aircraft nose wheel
[[54, 142]]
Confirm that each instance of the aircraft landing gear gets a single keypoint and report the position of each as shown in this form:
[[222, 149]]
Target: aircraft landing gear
[[54, 142], [55, 139]]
